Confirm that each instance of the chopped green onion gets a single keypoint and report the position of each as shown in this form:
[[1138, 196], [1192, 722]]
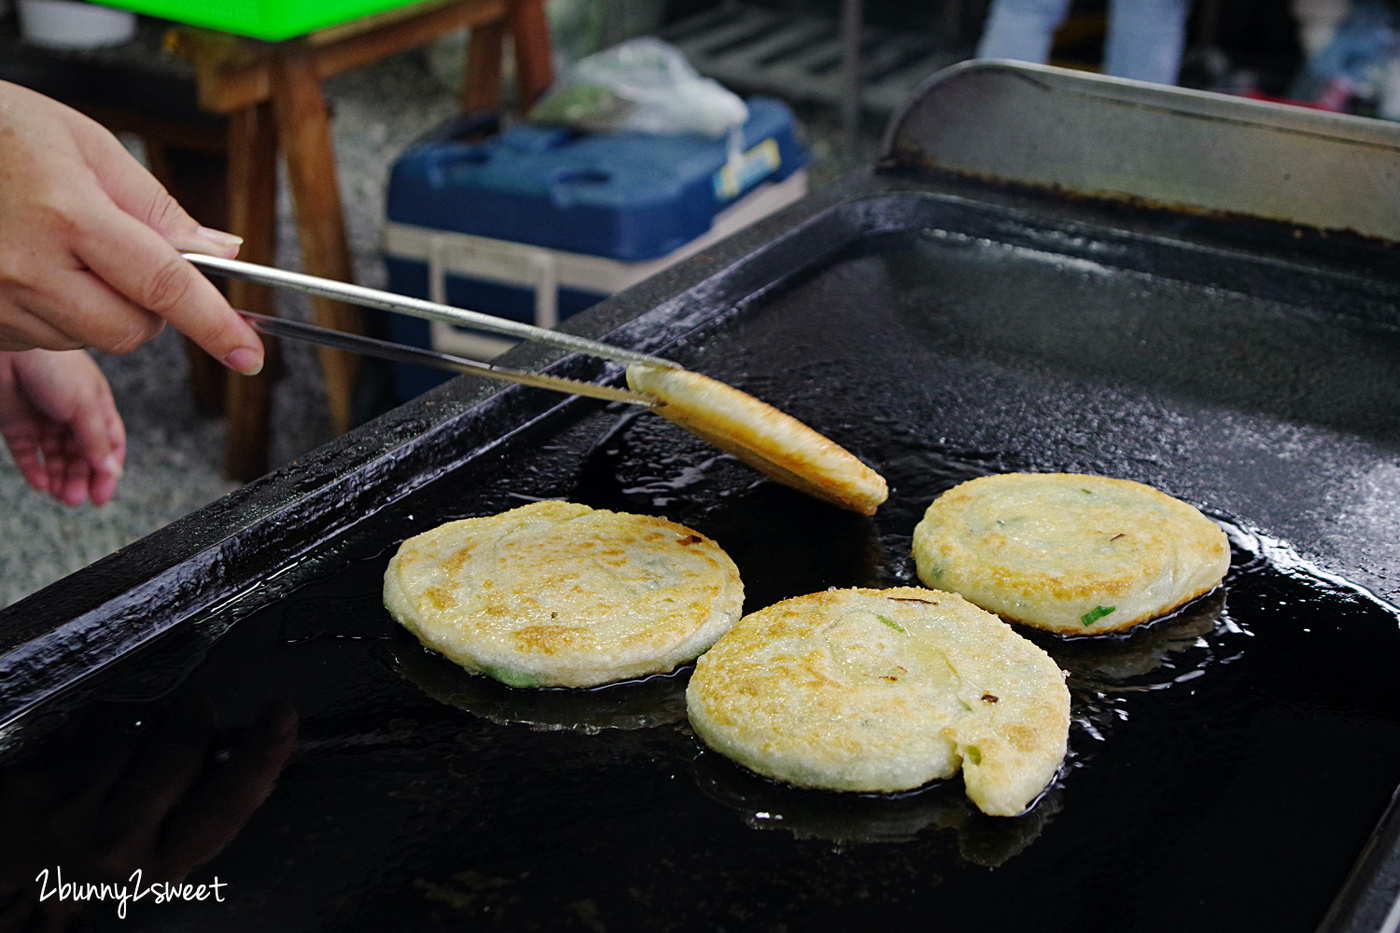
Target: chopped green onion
[[1085, 491], [1095, 614], [509, 677], [974, 754], [891, 623]]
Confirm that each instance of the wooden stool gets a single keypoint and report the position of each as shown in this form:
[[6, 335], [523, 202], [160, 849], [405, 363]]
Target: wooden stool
[[270, 95]]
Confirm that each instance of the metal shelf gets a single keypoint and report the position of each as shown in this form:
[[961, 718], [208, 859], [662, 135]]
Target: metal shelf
[[803, 58]]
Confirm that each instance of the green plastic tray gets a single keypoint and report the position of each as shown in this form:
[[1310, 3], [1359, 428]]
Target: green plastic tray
[[260, 19]]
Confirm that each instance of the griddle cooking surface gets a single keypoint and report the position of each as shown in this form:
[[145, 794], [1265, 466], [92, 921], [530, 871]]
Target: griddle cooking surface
[[1226, 765]]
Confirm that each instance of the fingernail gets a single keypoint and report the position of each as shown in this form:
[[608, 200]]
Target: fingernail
[[112, 466], [244, 360], [220, 237]]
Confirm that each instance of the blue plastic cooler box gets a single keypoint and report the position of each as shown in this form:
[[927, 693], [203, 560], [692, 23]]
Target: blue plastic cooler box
[[538, 223]]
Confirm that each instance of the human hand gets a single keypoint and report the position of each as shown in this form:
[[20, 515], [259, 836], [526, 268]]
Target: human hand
[[90, 244], [59, 420]]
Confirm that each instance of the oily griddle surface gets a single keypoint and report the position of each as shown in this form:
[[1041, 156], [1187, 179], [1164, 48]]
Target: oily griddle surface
[[1226, 764]]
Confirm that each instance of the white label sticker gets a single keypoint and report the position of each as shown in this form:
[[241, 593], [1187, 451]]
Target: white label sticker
[[744, 169]]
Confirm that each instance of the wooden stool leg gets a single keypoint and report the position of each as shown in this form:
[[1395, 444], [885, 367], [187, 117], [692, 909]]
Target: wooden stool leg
[[252, 176], [481, 80], [534, 67], [208, 380], [303, 130]]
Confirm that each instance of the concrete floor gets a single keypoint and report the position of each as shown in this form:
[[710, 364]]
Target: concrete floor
[[175, 453]]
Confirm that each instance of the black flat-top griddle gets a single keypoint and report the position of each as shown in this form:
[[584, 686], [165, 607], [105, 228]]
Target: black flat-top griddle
[[1231, 766]]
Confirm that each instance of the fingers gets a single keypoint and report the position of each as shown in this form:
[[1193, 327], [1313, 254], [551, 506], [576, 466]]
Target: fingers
[[91, 244], [86, 461], [135, 261], [97, 439], [59, 418], [24, 327], [105, 478], [142, 261], [25, 453], [51, 462], [55, 454], [77, 309], [18, 426], [137, 193]]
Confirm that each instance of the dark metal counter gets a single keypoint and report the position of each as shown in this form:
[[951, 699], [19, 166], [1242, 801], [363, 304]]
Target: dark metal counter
[[1228, 766]]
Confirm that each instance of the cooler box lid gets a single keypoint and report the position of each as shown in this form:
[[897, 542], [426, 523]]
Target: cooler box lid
[[625, 195]]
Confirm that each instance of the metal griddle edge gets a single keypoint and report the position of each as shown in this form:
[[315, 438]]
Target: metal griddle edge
[[240, 554]]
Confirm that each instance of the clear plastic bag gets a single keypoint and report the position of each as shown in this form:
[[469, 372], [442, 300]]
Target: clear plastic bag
[[644, 85]]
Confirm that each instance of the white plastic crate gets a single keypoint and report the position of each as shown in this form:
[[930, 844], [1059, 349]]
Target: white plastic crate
[[545, 271]]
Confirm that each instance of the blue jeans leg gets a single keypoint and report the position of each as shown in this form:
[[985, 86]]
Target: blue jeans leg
[[1145, 39], [1022, 29]]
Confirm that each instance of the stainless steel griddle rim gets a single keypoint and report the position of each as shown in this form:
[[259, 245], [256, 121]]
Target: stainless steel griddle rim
[[1092, 135]]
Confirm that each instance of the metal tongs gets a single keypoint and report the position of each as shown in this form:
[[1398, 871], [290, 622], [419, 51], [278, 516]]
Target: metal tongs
[[739, 424], [433, 311]]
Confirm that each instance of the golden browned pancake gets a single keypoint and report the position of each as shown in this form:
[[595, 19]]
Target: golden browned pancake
[[559, 594], [757, 433], [881, 691], [1067, 552]]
